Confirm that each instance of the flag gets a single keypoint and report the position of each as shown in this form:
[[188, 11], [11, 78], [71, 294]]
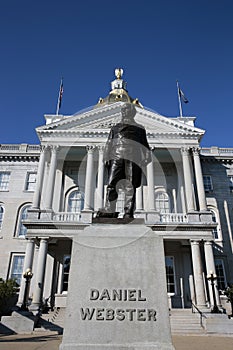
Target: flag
[[59, 97], [182, 96], [60, 94]]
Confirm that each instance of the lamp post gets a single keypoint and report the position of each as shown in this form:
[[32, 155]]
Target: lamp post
[[28, 276], [212, 277]]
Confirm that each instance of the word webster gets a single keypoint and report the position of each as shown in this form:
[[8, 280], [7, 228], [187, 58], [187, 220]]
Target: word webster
[[119, 314]]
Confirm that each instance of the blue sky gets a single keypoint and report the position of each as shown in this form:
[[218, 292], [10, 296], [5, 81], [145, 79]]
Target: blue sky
[[155, 42]]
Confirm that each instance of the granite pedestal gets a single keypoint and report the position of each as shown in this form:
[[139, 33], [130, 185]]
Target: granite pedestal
[[117, 295]]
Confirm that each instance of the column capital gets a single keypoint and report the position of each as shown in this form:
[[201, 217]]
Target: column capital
[[30, 239], [185, 151], [208, 243], [101, 148], [43, 148], [54, 148], [90, 148], [194, 242], [196, 151], [44, 239]]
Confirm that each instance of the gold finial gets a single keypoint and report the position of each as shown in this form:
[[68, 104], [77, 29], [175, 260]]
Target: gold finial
[[137, 102], [118, 73]]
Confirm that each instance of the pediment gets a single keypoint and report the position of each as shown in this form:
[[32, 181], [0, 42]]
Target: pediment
[[99, 121]]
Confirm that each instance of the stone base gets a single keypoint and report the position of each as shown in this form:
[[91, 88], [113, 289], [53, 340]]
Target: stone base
[[218, 323], [158, 346], [60, 300], [117, 290], [20, 322]]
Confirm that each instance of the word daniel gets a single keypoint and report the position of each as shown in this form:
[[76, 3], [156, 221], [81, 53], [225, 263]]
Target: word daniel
[[107, 314]]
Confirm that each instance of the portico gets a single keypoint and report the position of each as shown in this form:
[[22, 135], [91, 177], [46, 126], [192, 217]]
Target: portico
[[71, 185]]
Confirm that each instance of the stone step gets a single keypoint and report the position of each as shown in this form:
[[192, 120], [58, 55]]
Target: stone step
[[52, 321], [183, 321]]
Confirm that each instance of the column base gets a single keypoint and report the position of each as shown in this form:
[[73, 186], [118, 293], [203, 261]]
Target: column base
[[152, 217], [46, 214], [86, 216], [35, 308]]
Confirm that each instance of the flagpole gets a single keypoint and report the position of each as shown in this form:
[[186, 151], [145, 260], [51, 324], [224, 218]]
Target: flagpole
[[59, 97], [179, 99]]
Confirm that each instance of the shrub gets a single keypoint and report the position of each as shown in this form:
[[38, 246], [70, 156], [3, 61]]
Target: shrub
[[229, 294], [8, 295]]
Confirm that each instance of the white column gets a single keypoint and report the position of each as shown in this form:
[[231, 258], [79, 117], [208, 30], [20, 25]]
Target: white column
[[28, 261], [100, 179], [151, 185], [188, 179], [40, 275], [39, 179], [60, 278], [174, 199], [199, 179], [139, 198], [88, 202], [197, 274], [210, 268], [51, 178]]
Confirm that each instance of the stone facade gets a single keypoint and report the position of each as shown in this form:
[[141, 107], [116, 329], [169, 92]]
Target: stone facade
[[193, 217]]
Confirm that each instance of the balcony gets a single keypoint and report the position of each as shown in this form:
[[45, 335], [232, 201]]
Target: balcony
[[63, 225], [150, 217]]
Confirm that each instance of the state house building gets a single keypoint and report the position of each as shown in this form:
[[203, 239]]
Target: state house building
[[51, 191]]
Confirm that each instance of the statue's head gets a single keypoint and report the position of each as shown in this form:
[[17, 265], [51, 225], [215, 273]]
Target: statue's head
[[128, 111]]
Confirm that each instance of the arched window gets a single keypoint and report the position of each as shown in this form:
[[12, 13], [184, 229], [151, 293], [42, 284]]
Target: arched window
[[1, 215], [162, 202], [120, 202], [75, 202], [23, 214]]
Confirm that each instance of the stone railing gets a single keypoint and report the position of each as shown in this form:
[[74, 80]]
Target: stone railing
[[216, 151], [19, 148], [66, 216], [164, 218], [173, 218]]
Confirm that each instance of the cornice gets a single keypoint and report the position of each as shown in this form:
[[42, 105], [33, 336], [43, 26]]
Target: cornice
[[20, 158], [80, 117]]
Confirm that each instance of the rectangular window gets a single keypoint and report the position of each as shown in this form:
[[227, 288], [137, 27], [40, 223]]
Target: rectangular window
[[220, 272], [170, 274], [30, 182], [16, 271], [230, 183], [66, 271], [208, 184], [4, 180], [120, 202]]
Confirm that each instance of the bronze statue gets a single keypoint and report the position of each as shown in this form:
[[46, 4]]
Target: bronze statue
[[126, 151]]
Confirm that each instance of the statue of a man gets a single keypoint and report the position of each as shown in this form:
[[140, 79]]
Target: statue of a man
[[126, 151]]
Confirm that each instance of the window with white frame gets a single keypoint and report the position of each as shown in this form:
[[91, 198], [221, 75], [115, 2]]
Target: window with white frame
[[230, 177], [4, 180], [162, 202], [220, 272], [170, 274], [23, 214], [30, 181], [208, 184], [66, 271], [16, 268], [120, 204], [1, 215], [215, 230], [75, 202]]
